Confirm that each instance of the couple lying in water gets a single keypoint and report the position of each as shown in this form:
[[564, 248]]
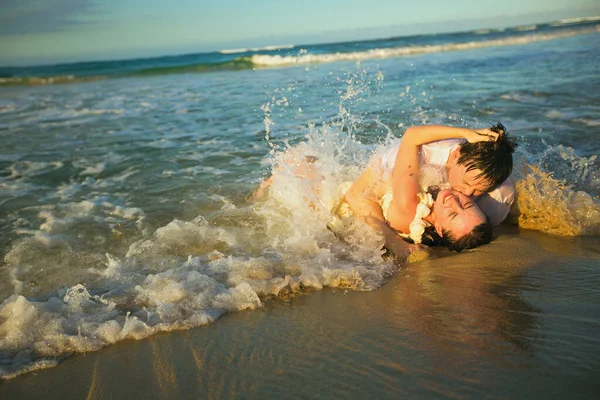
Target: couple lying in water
[[400, 195]]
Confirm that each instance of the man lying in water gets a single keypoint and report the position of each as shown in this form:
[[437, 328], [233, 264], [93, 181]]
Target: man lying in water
[[481, 166], [463, 162]]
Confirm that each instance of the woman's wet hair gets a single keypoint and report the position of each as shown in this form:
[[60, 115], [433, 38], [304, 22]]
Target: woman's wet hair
[[480, 235], [493, 159], [434, 191]]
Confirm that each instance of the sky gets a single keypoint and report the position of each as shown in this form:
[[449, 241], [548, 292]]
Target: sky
[[34, 32]]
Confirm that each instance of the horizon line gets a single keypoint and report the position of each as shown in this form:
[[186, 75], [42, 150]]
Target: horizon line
[[595, 17]]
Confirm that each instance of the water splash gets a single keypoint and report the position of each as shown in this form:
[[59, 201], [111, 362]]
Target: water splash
[[550, 205], [128, 282]]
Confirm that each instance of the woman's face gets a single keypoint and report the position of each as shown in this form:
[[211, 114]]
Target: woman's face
[[456, 213]]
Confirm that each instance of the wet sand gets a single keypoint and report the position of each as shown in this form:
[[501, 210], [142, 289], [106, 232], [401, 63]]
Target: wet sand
[[518, 318]]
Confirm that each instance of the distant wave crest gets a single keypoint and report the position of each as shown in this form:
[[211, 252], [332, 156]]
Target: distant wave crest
[[279, 61], [266, 48], [575, 20], [246, 62]]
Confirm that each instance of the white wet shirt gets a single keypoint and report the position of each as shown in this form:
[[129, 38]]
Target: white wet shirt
[[432, 162]]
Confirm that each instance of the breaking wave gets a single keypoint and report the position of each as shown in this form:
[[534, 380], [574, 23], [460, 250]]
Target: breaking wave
[[305, 58], [223, 61], [256, 49]]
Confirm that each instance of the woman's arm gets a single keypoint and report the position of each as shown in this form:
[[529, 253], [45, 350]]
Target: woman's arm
[[405, 184]]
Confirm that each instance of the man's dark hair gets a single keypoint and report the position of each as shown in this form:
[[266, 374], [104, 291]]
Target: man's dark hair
[[493, 159], [481, 234]]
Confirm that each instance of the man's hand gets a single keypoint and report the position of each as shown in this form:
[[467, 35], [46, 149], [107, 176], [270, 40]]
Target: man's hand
[[481, 135]]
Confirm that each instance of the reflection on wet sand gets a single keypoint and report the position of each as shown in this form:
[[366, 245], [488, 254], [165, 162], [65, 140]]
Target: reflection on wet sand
[[455, 300]]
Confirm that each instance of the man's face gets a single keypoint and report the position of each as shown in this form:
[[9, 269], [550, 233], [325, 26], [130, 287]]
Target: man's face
[[465, 182]]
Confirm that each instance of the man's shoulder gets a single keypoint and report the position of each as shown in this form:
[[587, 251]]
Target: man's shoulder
[[437, 153], [504, 193], [496, 204], [446, 143]]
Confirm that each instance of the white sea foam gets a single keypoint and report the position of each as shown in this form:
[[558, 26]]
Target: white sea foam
[[18, 182], [266, 48], [32, 168], [572, 116], [66, 191], [164, 144], [93, 167], [62, 218], [117, 178], [94, 170], [588, 121], [555, 114], [575, 20], [526, 97], [6, 108], [175, 280], [93, 111], [277, 60], [34, 334], [52, 116], [184, 274]]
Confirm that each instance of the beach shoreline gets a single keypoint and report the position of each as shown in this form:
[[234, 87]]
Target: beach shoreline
[[452, 326]]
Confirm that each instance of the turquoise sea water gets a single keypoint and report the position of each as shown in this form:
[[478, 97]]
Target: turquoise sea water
[[123, 201]]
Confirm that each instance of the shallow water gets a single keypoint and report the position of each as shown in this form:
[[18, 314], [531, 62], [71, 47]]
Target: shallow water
[[123, 208], [515, 318]]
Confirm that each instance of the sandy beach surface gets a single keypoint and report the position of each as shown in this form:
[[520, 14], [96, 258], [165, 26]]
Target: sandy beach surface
[[514, 319]]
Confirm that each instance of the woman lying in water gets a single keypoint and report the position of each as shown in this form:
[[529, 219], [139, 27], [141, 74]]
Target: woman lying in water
[[389, 193]]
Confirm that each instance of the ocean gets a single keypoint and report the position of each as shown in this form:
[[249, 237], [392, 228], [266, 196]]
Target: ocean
[[126, 188]]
